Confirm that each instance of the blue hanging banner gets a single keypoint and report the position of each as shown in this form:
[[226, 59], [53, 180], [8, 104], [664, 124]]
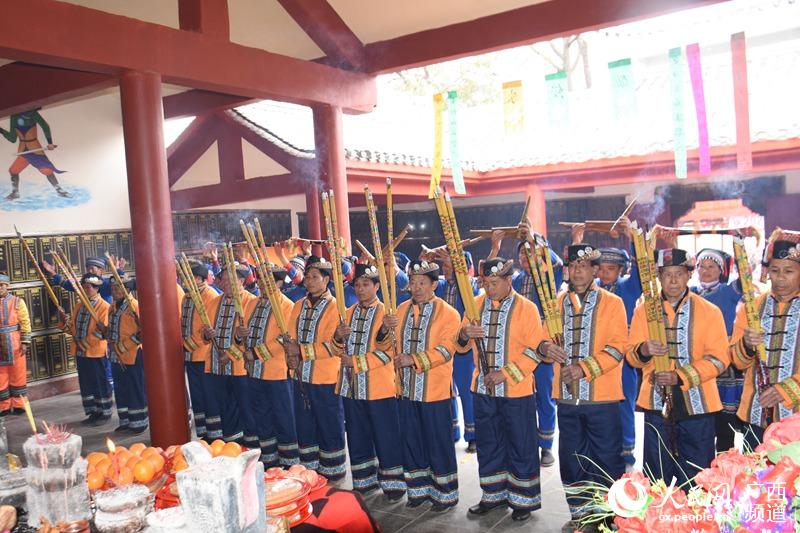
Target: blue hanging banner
[[677, 66], [557, 105], [623, 90]]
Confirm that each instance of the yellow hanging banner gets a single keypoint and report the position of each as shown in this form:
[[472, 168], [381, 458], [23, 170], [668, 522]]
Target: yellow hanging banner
[[436, 167], [513, 109]]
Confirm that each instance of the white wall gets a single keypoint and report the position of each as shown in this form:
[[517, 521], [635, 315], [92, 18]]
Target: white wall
[[92, 152]]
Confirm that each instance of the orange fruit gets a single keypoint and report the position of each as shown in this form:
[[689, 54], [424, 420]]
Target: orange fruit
[[123, 456], [231, 449], [149, 451], [157, 461], [132, 461], [125, 476], [102, 467], [95, 481], [137, 448], [144, 471], [95, 457], [179, 465], [216, 447]]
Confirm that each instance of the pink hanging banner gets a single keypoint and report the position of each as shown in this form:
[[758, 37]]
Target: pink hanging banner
[[696, 74], [744, 152]]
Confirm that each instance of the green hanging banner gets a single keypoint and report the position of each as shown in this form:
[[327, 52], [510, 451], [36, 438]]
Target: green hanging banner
[[623, 90], [557, 105], [677, 66], [455, 159]]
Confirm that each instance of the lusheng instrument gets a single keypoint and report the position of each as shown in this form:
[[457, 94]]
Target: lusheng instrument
[[63, 263], [128, 298], [47, 287], [444, 207], [188, 281], [602, 226]]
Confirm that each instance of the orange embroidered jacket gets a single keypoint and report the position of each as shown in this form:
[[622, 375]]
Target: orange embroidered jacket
[[313, 325], [697, 343], [427, 332], [123, 333], [372, 375], [514, 331], [780, 322], [269, 359], [86, 340], [195, 348], [595, 337], [225, 340], [15, 328]]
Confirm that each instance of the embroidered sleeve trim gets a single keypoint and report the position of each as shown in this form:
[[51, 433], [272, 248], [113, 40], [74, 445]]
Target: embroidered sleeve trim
[[328, 347], [423, 361], [445, 353], [594, 368], [719, 365], [383, 356], [235, 352], [613, 352], [790, 390], [740, 350], [690, 375], [360, 363], [97, 334], [533, 354], [308, 352], [513, 372], [136, 339], [262, 352], [189, 345]]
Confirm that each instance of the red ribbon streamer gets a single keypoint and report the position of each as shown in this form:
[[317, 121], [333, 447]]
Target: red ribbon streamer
[[696, 73], [744, 152]]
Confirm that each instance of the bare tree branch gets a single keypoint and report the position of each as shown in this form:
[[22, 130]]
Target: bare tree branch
[[547, 58]]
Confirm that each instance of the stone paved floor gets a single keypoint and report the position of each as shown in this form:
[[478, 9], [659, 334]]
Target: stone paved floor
[[393, 517]]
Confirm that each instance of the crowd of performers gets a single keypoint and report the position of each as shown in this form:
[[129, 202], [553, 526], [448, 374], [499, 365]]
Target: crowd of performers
[[393, 382]]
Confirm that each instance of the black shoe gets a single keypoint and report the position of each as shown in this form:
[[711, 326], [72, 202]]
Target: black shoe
[[137, 431], [122, 428], [472, 447], [411, 504], [441, 507], [61, 192], [547, 458], [18, 411], [395, 496], [482, 508], [89, 420], [520, 515], [13, 195], [4, 413], [100, 420]]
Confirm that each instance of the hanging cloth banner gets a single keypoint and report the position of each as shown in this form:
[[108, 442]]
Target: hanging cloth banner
[[557, 108], [455, 159], [696, 73], [436, 167], [623, 91], [513, 107], [676, 67], [744, 152]]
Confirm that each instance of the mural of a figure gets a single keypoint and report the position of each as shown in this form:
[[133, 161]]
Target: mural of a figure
[[25, 127]]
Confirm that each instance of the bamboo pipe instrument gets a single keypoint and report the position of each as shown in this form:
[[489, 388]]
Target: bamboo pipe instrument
[[47, 287]]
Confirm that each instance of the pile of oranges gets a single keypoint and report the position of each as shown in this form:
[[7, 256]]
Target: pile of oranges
[[138, 464], [217, 448]]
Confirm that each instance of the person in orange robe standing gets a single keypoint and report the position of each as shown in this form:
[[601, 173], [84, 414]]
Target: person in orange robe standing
[[15, 342]]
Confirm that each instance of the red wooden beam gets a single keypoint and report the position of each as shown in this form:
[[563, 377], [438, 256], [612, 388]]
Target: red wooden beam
[[24, 86], [539, 22], [209, 17], [72, 36], [231, 156], [327, 29], [243, 191], [190, 145], [196, 102]]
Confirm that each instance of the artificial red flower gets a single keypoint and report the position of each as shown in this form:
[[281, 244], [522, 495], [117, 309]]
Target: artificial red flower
[[782, 477], [721, 475], [781, 433]]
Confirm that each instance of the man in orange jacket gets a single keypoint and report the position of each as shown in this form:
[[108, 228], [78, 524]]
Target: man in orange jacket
[[426, 338], [697, 351], [89, 348], [367, 386], [509, 332], [772, 387], [318, 409], [15, 341], [270, 388], [587, 382]]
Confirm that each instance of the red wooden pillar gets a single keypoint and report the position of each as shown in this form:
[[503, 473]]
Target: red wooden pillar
[[151, 221], [537, 214], [328, 138], [313, 214]]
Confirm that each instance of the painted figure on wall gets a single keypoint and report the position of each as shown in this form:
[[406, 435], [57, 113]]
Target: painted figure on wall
[[24, 127]]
